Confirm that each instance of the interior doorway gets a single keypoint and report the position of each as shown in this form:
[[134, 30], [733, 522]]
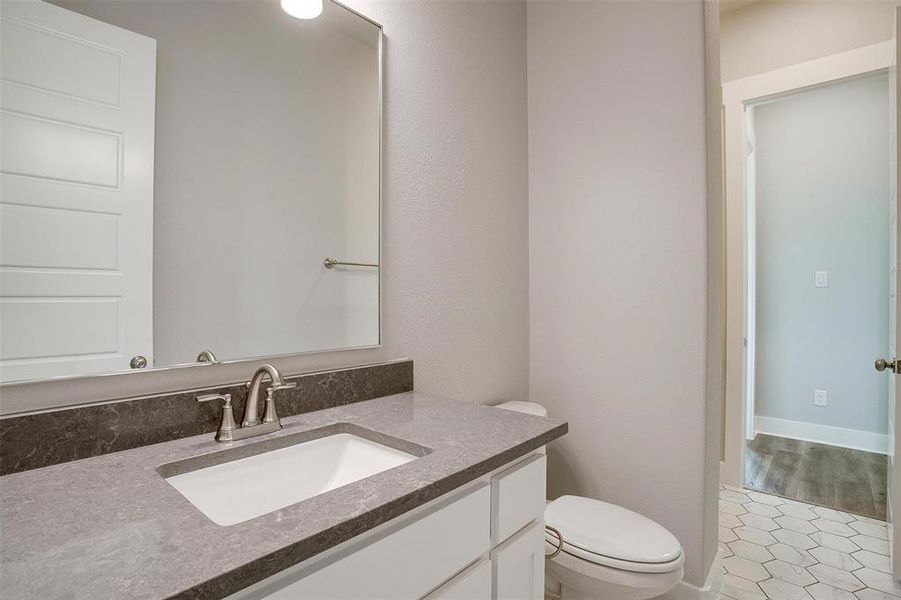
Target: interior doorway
[[816, 194], [810, 280]]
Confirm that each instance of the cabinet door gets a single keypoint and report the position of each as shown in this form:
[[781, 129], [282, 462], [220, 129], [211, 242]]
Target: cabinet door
[[517, 497], [518, 565], [472, 584], [406, 564]]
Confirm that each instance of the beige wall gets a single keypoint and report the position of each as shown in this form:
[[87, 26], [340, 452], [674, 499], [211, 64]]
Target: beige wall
[[455, 214], [618, 269], [773, 34]]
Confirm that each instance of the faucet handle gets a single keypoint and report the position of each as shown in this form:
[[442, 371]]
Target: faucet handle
[[284, 386], [210, 397], [227, 425], [269, 414]]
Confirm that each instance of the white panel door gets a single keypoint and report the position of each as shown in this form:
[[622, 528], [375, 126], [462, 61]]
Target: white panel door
[[77, 110], [893, 501]]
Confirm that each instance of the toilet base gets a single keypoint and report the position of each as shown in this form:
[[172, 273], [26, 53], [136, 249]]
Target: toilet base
[[619, 593], [607, 584]]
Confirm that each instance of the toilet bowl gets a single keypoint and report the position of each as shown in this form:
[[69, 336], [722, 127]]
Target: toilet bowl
[[608, 552]]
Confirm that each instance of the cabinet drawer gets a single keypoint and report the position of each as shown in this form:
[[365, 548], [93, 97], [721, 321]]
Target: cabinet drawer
[[517, 497], [518, 565], [408, 563], [472, 584]]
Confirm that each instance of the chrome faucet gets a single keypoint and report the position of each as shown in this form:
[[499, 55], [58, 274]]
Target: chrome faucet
[[253, 399], [251, 425]]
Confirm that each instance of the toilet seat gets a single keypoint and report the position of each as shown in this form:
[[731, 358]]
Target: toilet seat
[[613, 563], [612, 536]]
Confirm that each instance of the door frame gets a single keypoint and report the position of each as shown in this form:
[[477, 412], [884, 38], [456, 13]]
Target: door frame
[[736, 96]]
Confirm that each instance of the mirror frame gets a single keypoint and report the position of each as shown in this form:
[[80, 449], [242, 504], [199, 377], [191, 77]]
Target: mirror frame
[[267, 357]]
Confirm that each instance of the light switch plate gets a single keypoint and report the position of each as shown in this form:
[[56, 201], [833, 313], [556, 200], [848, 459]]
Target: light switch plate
[[821, 279], [819, 397]]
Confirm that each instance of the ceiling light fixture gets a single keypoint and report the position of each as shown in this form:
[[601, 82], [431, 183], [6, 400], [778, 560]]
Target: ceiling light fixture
[[302, 9]]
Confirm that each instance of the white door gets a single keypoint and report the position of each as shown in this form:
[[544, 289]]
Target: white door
[[893, 501], [76, 193]]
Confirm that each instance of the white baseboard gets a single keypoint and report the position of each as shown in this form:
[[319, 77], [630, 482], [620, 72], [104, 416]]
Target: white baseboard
[[711, 589], [823, 434]]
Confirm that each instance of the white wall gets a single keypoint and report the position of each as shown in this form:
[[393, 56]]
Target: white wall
[[455, 229], [822, 205], [617, 201], [772, 34], [254, 188]]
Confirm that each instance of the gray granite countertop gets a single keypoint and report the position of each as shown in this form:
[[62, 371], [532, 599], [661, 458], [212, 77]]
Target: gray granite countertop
[[112, 527]]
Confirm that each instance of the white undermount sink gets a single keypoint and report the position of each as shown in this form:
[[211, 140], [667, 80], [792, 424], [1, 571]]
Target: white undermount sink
[[240, 490]]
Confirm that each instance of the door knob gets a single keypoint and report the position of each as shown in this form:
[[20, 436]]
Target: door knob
[[139, 362], [882, 365]]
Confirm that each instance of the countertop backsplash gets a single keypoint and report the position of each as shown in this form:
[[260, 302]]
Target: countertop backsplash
[[41, 439]]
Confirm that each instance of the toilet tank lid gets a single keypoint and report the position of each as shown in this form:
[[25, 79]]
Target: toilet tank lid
[[530, 408]]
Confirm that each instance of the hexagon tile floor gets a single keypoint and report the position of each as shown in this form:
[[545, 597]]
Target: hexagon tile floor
[[780, 549]]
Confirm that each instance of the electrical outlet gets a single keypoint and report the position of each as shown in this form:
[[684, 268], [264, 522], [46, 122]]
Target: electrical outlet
[[821, 279], [819, 397]]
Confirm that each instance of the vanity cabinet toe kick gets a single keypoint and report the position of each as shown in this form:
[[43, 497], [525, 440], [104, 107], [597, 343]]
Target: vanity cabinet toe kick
[[484, 540]]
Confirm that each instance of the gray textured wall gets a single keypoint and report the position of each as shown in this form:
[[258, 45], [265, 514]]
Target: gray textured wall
[[618, 272]]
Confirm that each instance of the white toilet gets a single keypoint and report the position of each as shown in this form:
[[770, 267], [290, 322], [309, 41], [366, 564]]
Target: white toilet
[[608, 552]]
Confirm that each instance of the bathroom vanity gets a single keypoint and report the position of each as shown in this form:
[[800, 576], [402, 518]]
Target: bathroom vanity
[[485, 540], [458, 515]]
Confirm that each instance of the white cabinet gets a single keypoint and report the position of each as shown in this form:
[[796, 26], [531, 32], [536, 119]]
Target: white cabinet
[[518, 565], [471, 584], [482, 542], [517, 530]]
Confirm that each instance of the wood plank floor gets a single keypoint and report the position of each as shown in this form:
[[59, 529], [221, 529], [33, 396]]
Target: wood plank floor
[[849, 480]]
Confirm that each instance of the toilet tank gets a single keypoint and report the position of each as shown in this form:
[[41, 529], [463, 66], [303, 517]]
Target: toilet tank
[[530, 408]]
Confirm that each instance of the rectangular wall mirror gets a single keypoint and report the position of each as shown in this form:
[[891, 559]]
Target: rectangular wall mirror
[[184, 176]]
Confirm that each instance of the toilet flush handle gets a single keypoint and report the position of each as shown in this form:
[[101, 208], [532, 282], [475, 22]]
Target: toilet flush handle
[[556, 533]]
